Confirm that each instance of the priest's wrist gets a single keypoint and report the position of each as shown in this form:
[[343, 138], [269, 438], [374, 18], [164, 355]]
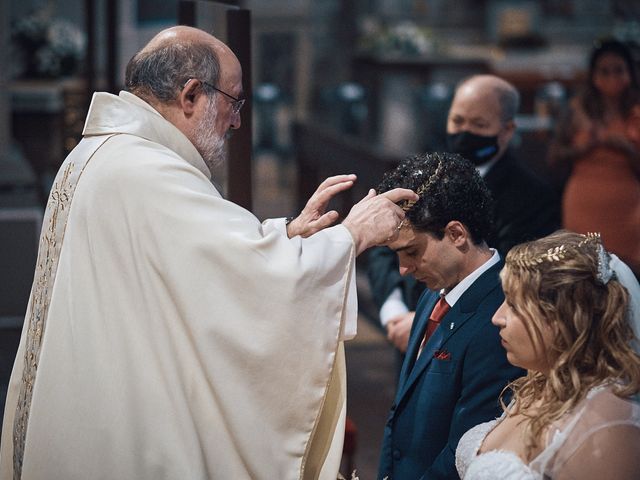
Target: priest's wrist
[[356, 234], [290, 231]]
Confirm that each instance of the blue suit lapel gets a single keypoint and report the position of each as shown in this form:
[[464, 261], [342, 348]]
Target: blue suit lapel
[[421, 363], [422, 318], [453, 321], [436, 342], [459, 314]]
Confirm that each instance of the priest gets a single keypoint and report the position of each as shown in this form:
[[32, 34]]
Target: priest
[[170, 334]]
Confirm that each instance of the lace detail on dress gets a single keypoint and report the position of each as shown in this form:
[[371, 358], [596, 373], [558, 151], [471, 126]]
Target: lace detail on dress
[[492, 465], [469, 445], [568, 439]]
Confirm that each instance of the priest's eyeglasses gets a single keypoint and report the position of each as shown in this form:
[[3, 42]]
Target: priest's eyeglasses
[[236, 103]]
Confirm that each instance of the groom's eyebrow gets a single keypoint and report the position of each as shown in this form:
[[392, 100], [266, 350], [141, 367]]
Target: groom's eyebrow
[[404, 247]]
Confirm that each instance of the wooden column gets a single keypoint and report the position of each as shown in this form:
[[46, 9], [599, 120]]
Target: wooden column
[[90, 26], [240, 145], [5, 129], [112, 46], [187, 13]]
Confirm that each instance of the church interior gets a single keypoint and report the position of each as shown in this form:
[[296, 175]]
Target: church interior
[[333, 86]]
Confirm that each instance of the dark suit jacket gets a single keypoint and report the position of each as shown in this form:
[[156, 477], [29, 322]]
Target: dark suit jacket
[[438, 400], [526, 208]]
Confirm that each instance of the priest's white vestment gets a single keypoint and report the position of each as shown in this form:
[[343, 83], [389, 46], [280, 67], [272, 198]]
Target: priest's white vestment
[[170, 334]]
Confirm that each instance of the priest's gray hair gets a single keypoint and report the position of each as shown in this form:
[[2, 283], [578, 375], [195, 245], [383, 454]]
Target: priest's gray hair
[[161, 72]]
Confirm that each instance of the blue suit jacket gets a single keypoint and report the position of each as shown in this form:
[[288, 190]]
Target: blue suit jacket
[[439, 399]]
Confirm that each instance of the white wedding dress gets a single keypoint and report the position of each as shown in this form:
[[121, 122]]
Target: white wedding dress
[[602, 434]]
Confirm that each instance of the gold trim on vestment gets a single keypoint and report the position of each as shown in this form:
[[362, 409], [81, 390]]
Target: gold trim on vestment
[[55, 222]]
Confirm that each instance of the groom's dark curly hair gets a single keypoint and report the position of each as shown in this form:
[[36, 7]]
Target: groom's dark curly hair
[[455, 192]]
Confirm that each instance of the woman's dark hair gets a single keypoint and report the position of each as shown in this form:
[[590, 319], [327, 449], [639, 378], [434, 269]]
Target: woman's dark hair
[[591, 98]]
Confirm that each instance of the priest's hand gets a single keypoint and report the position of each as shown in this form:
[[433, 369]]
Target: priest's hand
[[375, 220], [313, 217]]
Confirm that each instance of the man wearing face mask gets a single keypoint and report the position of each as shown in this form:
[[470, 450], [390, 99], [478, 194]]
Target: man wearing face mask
[[480, 126]]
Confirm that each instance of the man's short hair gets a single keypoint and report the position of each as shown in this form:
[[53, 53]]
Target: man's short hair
[[161, 72], [455, 191]]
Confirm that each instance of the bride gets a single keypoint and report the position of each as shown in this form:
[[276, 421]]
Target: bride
[[568, 318]]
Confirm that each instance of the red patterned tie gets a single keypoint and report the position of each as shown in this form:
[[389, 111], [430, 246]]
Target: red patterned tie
[[439, 311]]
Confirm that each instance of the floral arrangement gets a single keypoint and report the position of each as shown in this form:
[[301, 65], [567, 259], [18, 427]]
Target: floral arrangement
[[46, 47], [403, 38]]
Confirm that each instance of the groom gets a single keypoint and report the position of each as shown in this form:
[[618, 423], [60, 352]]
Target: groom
[[455, 367]]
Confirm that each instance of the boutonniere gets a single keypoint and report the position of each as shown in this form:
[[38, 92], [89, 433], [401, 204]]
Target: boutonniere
[[442, 355]]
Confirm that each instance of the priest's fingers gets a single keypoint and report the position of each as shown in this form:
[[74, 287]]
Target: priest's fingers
[[321, 223], [327, 190], [374, 220], [400, 194], [314, 210], [330, 181], [370, 194]]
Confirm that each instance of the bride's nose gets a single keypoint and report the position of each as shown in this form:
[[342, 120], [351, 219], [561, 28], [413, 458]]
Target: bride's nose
[[498, 318]]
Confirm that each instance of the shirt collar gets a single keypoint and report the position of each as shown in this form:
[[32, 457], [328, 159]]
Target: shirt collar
[[456, 292], [485, 167]]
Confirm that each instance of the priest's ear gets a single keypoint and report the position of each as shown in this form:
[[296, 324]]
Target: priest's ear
[[189, 96]]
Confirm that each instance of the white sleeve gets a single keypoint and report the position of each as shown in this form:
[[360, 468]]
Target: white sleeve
[[392, 307], [275, 224], [350, 324]]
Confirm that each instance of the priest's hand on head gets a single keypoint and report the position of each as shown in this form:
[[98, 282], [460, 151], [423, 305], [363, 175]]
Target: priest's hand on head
[[313, 217], [374, 220]]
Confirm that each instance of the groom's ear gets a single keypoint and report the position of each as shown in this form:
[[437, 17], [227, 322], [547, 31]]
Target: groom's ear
[[457, 233]]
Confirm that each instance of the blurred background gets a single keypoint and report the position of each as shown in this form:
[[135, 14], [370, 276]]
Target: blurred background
[[335, 86]]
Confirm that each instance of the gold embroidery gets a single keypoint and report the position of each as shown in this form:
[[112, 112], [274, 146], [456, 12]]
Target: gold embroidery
[[46, 266], [43, 283]]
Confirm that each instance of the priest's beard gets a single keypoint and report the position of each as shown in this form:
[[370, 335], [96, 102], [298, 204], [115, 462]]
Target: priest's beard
[[208, 143]]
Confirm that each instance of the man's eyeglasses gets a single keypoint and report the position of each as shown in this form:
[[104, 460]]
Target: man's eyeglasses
[[236, 103]]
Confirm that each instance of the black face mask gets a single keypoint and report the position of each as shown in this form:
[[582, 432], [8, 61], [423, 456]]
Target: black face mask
[[478, 149]]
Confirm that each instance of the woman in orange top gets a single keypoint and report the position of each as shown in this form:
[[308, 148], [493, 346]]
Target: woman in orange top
[[600, 141]]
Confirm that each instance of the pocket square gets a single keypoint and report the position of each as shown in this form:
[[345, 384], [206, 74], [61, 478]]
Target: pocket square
[[442, 355]]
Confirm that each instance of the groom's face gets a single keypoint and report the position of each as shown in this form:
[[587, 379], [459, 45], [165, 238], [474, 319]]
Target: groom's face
[[432, 261]]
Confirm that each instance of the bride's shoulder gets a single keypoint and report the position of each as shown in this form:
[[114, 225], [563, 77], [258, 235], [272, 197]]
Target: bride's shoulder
[[604, 423], [601, 408], [604, 405]]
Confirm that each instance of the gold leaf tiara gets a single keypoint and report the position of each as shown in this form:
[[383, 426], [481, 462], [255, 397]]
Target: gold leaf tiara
[[525, 260], [408, 204]]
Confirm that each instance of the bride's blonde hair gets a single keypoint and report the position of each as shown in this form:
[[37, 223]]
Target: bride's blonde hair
[[554, 283]]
